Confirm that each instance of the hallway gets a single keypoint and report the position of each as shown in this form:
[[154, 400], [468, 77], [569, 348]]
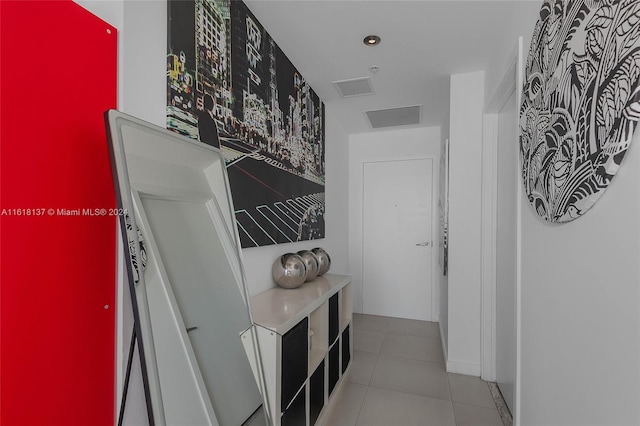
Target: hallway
[[398, 378]]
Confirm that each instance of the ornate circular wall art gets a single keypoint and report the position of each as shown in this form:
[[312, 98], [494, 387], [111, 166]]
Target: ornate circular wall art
[[580, 103]]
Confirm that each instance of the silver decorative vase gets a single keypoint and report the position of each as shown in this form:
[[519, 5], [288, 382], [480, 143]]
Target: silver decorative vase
[[312, 263], [324, 260], [289, 271]]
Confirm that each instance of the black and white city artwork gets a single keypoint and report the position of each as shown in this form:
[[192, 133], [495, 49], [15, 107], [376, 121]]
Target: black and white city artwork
[[230, 86], [580, 102]]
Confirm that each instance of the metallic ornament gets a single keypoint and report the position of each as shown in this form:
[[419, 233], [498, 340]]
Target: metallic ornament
[[324, 259], [312, 263], [289, 270]]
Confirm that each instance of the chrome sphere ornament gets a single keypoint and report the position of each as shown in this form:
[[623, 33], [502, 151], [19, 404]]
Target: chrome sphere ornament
[[324, 259], [289, 271], [312, 262]]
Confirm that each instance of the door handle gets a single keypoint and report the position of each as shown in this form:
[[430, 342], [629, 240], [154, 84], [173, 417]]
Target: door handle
[[424, 244]]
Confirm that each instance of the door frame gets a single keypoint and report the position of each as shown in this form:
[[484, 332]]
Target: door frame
[[511, 82], [435, 295]]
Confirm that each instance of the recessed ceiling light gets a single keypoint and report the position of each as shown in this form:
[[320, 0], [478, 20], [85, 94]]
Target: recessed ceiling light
[[371, 40]]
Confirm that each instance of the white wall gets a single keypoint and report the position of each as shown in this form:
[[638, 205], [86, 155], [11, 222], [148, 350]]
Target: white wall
[[581, 310], [521, 23], [376, 146], [443, 314], [110, 11], [142, 41], [465, 177], [580, 304]]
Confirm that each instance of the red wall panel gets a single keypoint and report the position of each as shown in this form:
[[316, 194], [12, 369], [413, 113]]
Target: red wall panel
[[58, 75]]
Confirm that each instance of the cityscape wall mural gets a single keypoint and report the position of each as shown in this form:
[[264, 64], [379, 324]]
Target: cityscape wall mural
[[230, 85]]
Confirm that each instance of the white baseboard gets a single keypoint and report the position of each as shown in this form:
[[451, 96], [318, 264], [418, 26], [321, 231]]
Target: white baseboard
[[457, 366], [463, 368]]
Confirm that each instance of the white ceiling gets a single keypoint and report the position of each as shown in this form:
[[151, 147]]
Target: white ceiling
[[423, 43]]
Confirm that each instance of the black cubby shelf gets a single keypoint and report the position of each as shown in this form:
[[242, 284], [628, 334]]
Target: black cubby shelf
[[305, 346]]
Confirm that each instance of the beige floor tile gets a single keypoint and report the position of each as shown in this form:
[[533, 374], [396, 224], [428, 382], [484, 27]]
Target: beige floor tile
[[346, 405], [413, 347], [470, 390], [472, 415], [367, 341], [362, 367], [383, 407], [370, 322], [397, 378], [411, 376], [411, 327]]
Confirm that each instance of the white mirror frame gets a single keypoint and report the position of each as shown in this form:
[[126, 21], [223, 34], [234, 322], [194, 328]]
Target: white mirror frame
[[128, 200]]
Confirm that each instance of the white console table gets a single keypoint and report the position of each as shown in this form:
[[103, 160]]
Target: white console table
[[306, 346]]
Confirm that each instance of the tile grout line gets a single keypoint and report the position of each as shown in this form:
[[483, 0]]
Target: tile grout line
[[384, 334], [361, 405], [501, 405], [369, 381], [453, 408]]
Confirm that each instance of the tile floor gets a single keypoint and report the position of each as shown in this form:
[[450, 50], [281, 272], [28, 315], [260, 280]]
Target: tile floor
[[398, 378]]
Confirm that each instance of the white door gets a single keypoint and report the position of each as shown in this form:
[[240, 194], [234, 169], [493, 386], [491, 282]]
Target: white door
[[397, 246], [507, 185]]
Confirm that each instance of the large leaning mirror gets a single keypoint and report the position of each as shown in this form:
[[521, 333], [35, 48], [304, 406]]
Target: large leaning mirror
[[197, 347]]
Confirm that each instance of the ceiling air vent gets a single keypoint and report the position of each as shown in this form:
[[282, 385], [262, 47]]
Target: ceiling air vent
[[354, 87], [394, 117]]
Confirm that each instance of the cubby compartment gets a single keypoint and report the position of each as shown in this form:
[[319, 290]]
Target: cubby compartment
[[318, 336], [334, 366], [346, 347], [334, 318], [346, 306], [294, 361], [305, 347], [316, 393], [296, 413]]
